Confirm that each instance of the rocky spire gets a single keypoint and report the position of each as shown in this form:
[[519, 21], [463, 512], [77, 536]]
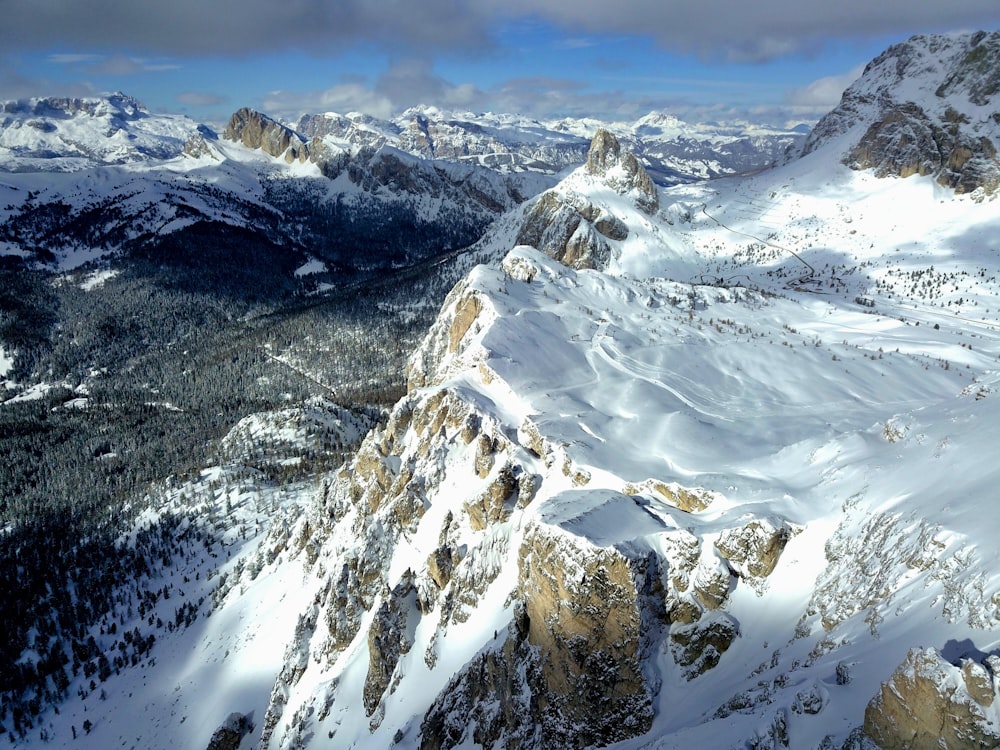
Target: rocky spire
[[621, 170]]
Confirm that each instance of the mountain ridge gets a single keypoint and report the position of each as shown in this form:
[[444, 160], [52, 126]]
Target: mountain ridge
[[675, 151], [924, 104]]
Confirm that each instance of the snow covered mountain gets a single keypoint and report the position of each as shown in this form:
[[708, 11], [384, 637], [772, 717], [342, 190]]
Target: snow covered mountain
[[925, 106], [70, 134], [627, 506], [99, 180], [700, 491], [700, 466]]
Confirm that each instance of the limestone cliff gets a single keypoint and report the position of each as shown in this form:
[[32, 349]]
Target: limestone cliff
[[929, 703], [258, 131], [621, 169], [470, 551]]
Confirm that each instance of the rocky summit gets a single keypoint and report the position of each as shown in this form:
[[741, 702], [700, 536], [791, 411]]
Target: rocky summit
[[925, 106]]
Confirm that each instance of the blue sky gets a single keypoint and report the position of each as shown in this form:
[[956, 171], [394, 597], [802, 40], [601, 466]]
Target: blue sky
[[775, 62]]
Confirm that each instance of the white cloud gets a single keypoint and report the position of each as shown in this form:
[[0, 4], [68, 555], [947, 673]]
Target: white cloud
[[342, 98], [823, 94], [720, 29]]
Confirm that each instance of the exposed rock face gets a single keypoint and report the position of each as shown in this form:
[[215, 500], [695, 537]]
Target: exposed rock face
[[622, 170], [118, 104], [66, 134], [905, 142], [753, 550], [569, 671], [388, 639], [977, 74], [942, 126], [554, 226], [196, 147], [256, 130], [493, 695], [930, 704], [583, 611], [574, 231], [228, 736]]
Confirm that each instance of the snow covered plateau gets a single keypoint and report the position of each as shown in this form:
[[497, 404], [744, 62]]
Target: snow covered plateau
[[701, 465]]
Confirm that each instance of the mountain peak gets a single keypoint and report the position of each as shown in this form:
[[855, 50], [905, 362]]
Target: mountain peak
[[115, 105], [924, 107], [621, 170], [256, 130]]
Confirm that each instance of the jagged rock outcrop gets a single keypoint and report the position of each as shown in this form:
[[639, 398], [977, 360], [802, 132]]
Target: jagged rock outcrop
[[258, 131], [905, 141], [388, 638], [493, 696], [199, 144], [754, 549], [929, 704], [621, 170], [561, 230], [569, 670], [582, 606], [572, 229], [941, 126], [231, 733]]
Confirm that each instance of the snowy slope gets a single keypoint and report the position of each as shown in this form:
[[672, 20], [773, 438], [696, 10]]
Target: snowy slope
[[779, 393], [865, 435]]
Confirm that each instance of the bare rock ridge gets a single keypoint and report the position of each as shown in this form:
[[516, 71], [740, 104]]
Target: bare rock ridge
[[454, 561], [258, 131], [927, 106], [906, 141], [574, 231], [371, 168]]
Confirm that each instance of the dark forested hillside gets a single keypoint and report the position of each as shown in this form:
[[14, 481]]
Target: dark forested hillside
[[139, 376]]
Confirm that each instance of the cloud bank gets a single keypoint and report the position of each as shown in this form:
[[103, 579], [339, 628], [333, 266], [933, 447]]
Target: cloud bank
[[715, 29]]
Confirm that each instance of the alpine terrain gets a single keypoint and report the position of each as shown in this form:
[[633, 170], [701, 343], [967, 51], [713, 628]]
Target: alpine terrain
[[468, 432]]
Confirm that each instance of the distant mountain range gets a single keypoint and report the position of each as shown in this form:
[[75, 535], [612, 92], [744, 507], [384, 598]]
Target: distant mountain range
[[67, 134]]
